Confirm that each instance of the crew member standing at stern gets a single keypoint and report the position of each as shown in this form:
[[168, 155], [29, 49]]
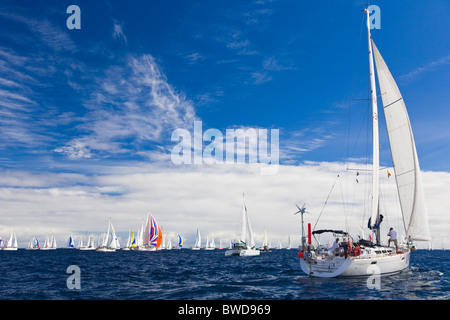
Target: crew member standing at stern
[[392, 237]]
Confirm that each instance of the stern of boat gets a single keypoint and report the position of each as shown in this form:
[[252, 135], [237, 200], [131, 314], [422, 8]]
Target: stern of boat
[[326, 266]]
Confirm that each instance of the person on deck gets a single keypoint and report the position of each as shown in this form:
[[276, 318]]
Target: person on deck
[[392, 237], [344, 245], [335, 247]]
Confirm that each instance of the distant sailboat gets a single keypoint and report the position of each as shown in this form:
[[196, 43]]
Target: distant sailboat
[[71, 243], [49, 244], [131, 242], [198, 241], [11, 243], [110, 241], [265, 247], [90, 245], [169, 244], [289, 246], [245, 245], [279, 246], [151, 235], [210, 245], [33, 245], [53, 243], [80, 243], [180, 242]]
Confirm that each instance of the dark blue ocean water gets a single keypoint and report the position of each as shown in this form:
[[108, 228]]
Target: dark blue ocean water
[[205, 275]]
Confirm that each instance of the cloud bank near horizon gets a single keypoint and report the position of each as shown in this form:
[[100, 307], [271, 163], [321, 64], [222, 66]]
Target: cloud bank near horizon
[[205, 197]]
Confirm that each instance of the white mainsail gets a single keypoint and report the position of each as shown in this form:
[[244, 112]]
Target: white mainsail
[[246, 231], [140, 239], [53, 243], [110, 241], [146, 233], [245, 244], [11, 243], [114, 240], [404, 154], [198, 241]]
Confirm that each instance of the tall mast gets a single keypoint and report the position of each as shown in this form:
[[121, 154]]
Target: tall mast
[[375, 134]]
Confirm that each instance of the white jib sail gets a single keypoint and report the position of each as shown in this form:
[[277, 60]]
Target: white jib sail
[[404, 154]]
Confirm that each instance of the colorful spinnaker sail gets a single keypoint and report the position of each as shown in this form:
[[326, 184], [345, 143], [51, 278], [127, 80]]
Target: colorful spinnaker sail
[[155, 233]]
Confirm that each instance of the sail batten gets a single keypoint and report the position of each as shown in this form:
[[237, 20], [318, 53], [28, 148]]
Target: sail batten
[[404, 154]]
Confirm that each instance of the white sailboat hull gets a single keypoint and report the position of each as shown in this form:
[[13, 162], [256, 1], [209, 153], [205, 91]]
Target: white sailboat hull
[[9, 249], [106, 250], [242, 252], [147, 248], [356, 266]]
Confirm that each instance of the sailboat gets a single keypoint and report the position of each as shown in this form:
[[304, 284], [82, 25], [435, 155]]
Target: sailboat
[[71, 243], [151, 235], [289, 246], [245, 245], [110, 241], [11, 243], [210, 245], [53, 243], [90, 245], [169, 244], [80, 244], [49, 244], [366, 256], [264, 247], [33, 245], [131, 242], [180, 242], [198, 241]]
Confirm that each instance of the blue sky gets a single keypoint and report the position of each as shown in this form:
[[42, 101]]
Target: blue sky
[[290, 65], [85, 102]]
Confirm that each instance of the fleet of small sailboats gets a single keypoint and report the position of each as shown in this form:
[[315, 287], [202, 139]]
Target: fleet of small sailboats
[[150, 238]]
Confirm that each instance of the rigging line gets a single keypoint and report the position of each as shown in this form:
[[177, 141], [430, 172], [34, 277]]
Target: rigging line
[[326, 201], [345, 208]]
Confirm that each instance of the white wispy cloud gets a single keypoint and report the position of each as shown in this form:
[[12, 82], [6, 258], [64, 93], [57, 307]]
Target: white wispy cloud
[[118, 32], [259, 77], [124, 107], [26, 79], [427, 68], [131, 105], [295, 144], [193, 57], [273, 64], [44, 32]]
